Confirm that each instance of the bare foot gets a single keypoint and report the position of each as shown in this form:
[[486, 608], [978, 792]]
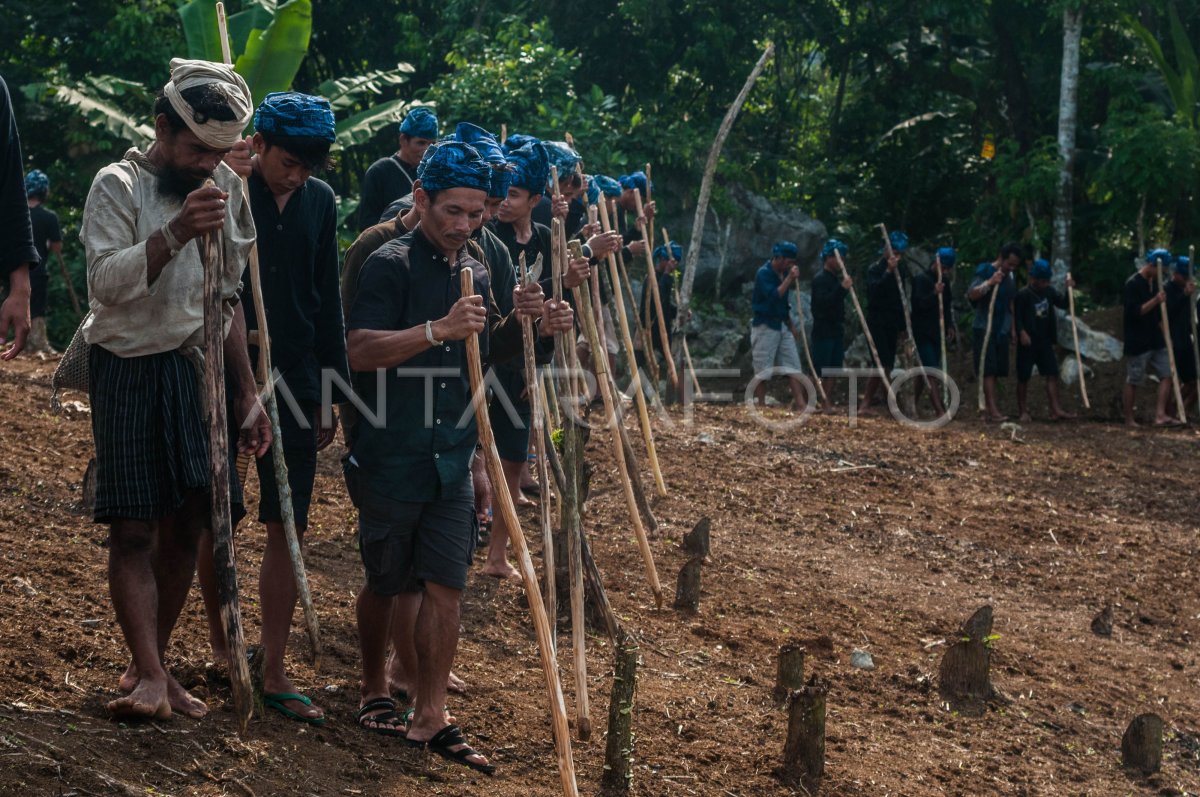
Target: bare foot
[[148, 701], [997, 418], [521, 500], [1132, 424], [1167, 421], [456, 685], [501, 570], [129, 679], [1026, 418], [184, 703], [1063, 415]]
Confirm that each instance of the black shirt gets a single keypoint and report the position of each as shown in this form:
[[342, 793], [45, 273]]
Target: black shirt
[[1034, 314], [386, 180], [573, 223], [828, 305], [1143, 333], [46, 231], [298, 263], [1179, 315], [885, 306], [16, 234], [925, 307], [538, 243], [424, 437]]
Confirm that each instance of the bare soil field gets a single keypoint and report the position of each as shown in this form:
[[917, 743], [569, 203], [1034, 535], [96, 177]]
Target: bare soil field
[[876, 537]]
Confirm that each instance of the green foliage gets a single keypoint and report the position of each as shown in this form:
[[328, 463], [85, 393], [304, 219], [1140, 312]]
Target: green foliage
[[344, 93], [95, 98], [273, 55], [201, 30], [1183, 76]]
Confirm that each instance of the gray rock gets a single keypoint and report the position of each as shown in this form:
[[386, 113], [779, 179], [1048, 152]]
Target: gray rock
[[1093, 344], [1068, 371], [861, 660]]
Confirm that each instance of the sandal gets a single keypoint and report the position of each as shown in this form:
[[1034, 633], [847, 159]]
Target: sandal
[[444, 742], [276, 701], [387, 722]]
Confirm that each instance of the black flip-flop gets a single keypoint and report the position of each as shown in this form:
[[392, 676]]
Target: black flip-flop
[[387, 722], [449, 737]]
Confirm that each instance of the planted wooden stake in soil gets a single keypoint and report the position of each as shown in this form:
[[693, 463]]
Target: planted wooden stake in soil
[[965, 679], [1141, 745], [789, 675], [618, 753], [804, 749]]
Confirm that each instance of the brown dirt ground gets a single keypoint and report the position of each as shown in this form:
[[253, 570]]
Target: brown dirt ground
[[878, 537]]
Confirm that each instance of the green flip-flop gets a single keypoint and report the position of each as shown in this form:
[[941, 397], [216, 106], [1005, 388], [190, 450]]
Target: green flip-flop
[[276, 701]]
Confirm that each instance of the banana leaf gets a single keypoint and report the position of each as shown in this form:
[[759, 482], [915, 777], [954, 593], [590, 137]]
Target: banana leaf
[[253, 16], [96, 110], [361, 127], [273, 55], [199, 19], [345, 92]]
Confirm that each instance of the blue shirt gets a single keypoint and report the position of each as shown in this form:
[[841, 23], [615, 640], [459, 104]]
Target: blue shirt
[[769, 307], [1001, 320]]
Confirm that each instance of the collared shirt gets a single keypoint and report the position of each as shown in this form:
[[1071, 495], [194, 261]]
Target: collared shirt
[[885, 305], [298, 264], [131, 318], [1143, 332], [925, 306], [386, 179], [16, 235], [769, 307], [1034, 312], [1001, 319], [828, 305], [423, 435]]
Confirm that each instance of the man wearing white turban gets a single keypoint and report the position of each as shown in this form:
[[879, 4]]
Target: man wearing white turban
[[146, 332]]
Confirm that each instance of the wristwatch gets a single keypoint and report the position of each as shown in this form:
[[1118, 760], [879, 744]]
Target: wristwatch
[[429, 334]]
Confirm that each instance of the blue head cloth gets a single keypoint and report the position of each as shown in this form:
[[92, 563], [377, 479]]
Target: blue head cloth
[[1040, 270], [290, 113], [453, 164], [1154, 255], [606, 185], [484, 142], [531, 167], [898, 240], [1183, 265], [593, 192], [518, 140], [637, 181], [984, 271], [948, 256], [563, 157], [36, 182], [421, 122], [501, 180], [674, 253], [834, 245], [785, 249]]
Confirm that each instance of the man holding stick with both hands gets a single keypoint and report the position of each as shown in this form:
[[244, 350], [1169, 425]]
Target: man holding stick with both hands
[[993, 321], [409, 470], [145, 280], [774, 349]]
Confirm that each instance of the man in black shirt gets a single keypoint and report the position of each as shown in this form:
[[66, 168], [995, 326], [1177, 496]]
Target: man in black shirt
[[17, 252], [1037, 332], [409, 468], [885, 310], [569, 205], [1181, 291], [929, 297], [392, 177], [666, 261], [1145, 346], [829, 292], [47, 237]]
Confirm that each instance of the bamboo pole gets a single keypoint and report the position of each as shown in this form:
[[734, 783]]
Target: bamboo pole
[[908, 327], [687, 356], [862, 319], [558, 710], [1192, 312], [1083, 394], [941, 298], [66, 275], [987, 336], [641, 329], [639, 396], [218, 456], [539, 447], [573, 531], [286, 509], [649, 199], [1166, 327], [802, 339], [589, 325], [652, 279]]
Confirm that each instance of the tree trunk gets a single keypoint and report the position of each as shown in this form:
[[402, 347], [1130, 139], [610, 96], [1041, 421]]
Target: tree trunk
[[804, 750], [1141, 746], [1067, 108], [618, 754]]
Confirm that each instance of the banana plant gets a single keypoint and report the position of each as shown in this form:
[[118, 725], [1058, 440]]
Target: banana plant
[[1182, 77]]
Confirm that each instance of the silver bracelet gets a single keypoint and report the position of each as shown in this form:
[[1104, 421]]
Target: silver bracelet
[[429, 334], [172, 242]]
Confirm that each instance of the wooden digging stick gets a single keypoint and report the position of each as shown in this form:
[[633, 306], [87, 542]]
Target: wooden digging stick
[[1083, 394], [987, 337], [213, 250], [286, 508], [1166, 327], [538, 442], [627, 342], [941, 298], [649, 195], [641, 331], [802, 339], [1192, 312], [687, 355], [66, 275], [652, 281], [862, 319], [584, 300], [908, 327], [541, 624]]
